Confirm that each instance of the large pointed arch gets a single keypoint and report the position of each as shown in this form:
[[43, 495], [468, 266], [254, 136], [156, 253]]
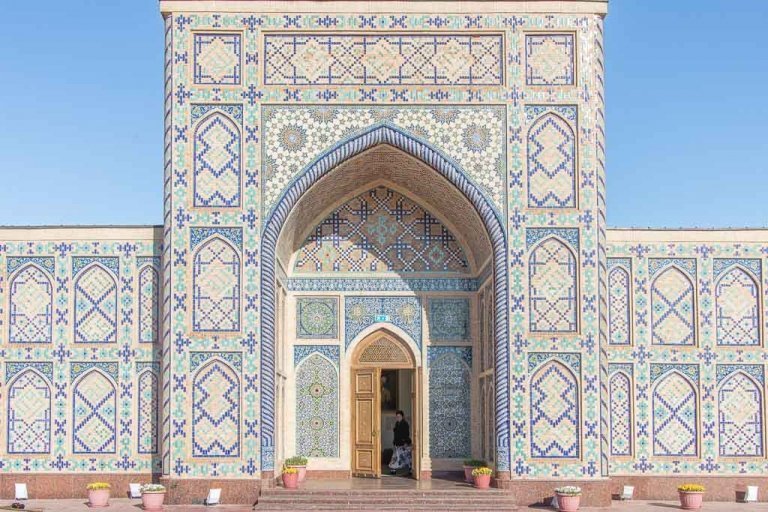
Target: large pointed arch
[[451, 171]]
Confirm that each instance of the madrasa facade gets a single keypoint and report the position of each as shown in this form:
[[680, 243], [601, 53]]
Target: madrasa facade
[[380, 206]]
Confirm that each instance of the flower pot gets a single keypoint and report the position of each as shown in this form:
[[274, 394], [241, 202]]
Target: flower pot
[[152, 500], [98, 498], [483, 481], [468, 473], [690, 500], [568, 503], [291, 480], [302, 472]]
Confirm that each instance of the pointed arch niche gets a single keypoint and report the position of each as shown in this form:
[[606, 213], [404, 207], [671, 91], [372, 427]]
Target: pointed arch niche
[[383, 216]]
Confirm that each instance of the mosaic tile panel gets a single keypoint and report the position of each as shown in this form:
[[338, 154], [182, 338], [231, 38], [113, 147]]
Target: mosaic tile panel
[[216, 411], [217, 59], [552, 285], [94, 414], [449, 402], [317, 407], [294, 136], [619, 320], [737, 305], [95, 306], [551, 162], [383, 59], [448, 319], [29, 414], [381, 231], [149, 307], [675, 417], [554, 410], [31, 306], [402, 312], [317, 317], [217, 157], [148, 393], [620, 390], [216, 287], [673, 310], [550, 59], [740, 417]]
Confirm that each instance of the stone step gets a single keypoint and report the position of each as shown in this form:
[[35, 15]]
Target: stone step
[[389, 507]]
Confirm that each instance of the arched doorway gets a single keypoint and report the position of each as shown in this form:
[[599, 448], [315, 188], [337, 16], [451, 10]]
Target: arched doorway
[[371, 396], [384, 163]]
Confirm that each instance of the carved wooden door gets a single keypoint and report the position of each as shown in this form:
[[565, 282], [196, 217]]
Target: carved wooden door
[[366, 421]]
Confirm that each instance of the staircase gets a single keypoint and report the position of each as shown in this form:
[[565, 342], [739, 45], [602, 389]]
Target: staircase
[[465, 499]]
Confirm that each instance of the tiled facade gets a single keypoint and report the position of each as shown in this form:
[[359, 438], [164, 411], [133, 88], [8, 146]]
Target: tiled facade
[[437, 175]]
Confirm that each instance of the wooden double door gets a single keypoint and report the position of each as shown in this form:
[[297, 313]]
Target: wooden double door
[[366, 413]]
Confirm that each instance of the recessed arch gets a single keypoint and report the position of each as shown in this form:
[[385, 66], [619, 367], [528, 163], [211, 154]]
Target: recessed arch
[[95, 305], [94, 413], [382, 134], [216, 410], [555, 412], [740, 423], [217, 162], [553, 287], [621, 414], [674, 400], [737, 307], [149, 307], [673, 308], [216, 285], [147, 412], [619, 306], [551, 145], [29, 413], [30, 305]]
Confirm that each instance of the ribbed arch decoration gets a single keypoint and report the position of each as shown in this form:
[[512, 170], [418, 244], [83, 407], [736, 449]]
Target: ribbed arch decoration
[[355, 145]]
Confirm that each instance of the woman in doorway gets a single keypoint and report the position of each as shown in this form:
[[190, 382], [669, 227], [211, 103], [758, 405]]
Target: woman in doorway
[[402, 456]]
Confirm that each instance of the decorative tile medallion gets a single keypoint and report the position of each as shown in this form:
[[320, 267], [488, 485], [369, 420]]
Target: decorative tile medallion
[[317, 317], [550, 59], [217, 59], [448, 319]]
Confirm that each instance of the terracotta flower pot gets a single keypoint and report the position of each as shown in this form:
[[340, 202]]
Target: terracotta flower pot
[[152, 500], [98, 498], [468, 473], [690, 500], [302, 472], [291, 480], [568, 503], [483, 481]]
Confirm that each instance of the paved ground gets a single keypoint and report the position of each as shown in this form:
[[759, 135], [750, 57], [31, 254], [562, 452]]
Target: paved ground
[[125, 505]]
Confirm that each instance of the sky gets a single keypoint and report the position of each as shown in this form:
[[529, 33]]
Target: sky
[[81, 136]]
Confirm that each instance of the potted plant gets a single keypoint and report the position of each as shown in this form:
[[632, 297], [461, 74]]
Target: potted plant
[[152, 496], [691, 496], [471, 464], [482, 477], [290, 478], [98, 494], [300, 463], [568, 498]]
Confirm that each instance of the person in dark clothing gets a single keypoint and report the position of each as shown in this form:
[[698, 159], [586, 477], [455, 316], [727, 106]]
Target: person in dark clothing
[[402, 456]]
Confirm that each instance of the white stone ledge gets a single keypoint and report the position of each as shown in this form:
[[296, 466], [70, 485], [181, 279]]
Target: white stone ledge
[[387, 7], [67, 233], [618, 235]]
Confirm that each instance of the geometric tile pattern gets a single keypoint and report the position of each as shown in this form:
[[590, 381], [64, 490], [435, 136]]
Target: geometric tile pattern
[[449, 402], [550, 59], [675, 417], [387, 59], [672, 308], [621, 415], [216, 287], [317, 407], [471, 136], [31, 306], [217, 162], [217, 59], [737, 308], [448, 319], [149, 287], [147, 412], [552, 285], [551, 163], [740, 417], [381, 231], [618, 306], [554, 410], [317, 317], [216, 411], [95, 306], [94, 414], [402, 312], [29, 414]]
